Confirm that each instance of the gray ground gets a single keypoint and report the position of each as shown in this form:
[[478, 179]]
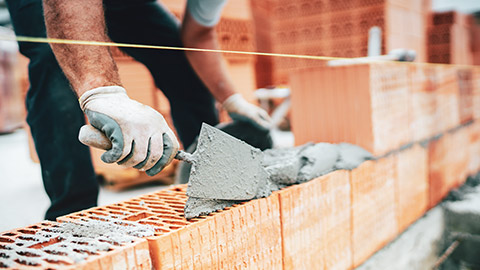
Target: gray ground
[[23, 200]]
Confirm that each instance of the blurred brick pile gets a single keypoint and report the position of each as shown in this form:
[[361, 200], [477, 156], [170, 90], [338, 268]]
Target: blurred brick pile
[[12, 108], [332, 28], [449, 38]]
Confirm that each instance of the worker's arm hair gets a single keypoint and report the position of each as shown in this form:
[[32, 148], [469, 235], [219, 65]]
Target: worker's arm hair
[[85, 66], [210, 67]]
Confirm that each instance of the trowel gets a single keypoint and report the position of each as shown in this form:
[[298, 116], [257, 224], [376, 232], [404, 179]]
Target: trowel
[[223, 167]]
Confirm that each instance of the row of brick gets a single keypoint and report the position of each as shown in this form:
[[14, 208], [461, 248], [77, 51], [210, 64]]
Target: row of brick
[[339, 33], [449, 38], [381, 106], [335, 221]]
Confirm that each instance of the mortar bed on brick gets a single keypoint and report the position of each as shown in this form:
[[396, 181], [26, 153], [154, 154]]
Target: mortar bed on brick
[[163, 210], [52, 245]]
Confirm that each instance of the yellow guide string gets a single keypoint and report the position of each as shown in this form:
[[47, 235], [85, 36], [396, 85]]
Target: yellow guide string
[[157, 47]]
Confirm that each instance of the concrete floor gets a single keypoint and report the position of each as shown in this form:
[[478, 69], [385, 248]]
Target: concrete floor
[[23, 200]]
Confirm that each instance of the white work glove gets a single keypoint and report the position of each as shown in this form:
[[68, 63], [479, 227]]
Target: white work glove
[[139, 135], [240, 109]]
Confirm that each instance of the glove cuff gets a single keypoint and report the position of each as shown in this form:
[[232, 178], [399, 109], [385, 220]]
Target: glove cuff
[[232, 101], [104, 90]]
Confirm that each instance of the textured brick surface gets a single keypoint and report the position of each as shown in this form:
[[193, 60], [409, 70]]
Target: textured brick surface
[[316, 223], [423, 104], [245, 235], [474, 147], [448, 159], [374, 221], [362, 104], [35, 242], [411, 185]]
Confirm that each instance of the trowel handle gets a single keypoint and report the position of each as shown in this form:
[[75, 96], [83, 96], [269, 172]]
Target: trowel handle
[[184, 156], [93, 137]]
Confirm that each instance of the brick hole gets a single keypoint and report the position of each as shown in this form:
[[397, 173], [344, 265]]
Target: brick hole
[[226, 38], [169, 215], [177, 189], [27, 254], [159, 208], [162, 212], [2, 265], [175, 227], [117, 213], [26, 237], [48, 224], [27, 231], [82, 251], [137, 216], [161, 230], [139, 208], [5, 247], [23, 262], [174, 222], [97, 213], [52, 252], [57, 262], [3, 255], [45, 244], [115, 208]]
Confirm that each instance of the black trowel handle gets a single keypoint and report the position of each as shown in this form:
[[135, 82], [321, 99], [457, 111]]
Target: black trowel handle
[[93, 137]]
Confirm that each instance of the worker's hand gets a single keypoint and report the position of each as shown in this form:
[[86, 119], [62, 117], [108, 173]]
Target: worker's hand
[[240, 109], [139, 135]]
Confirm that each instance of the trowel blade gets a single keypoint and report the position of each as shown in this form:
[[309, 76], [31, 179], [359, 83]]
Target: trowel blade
[[225, 168]]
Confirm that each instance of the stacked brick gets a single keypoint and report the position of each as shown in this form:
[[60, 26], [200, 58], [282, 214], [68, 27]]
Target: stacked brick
[[336, 221], [382, 106], [39, 247], [332, 28], [449, 38]]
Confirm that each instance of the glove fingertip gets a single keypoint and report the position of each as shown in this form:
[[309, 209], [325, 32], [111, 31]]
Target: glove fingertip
[[111, 156]]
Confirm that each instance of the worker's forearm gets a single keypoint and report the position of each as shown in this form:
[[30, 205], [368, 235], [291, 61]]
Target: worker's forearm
[[209, 66], [85, 66]]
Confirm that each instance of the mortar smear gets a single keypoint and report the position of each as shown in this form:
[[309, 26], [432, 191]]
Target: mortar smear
[[71, 243], [285, 167]]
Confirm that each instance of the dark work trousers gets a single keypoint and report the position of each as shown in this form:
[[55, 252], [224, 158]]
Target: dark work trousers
[[54, 114]]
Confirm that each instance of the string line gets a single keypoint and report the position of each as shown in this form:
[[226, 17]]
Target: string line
[[158, 47]]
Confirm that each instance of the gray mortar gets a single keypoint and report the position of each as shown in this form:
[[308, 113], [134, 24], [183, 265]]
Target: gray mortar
[[351, 156], [217, 188], [226, 168], [77, 240], [283, 165], [196, 207], [318, 160]]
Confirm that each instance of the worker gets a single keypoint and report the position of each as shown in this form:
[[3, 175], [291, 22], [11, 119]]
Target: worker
[[140, 137]]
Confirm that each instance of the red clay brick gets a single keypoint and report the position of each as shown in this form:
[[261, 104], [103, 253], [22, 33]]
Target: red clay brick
[[423, 102], [363, 104], [411, 185], [374, 221], [474, 147], [448, 163], [476, 92], [246, 235], [316, 223], [120, 256]]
